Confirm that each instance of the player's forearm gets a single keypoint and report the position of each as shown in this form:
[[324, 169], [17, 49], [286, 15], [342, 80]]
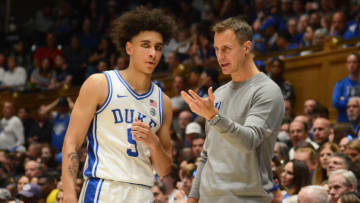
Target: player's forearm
[[70, 169], [161, 161]]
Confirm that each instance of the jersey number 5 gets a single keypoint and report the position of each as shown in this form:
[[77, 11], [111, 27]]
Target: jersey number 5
[[131, 141]]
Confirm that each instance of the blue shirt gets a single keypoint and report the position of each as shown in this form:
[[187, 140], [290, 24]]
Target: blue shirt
[[59, 130], [343, 90]]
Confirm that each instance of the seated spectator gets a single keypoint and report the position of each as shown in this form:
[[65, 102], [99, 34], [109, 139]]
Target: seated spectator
[[352, 150], [313, 194], [276, 73], [33, 169], [11, 129], [283, 42], [178, 103], [346, 88], [338, 161], [30, 193], [349, 197], [208, 78], [49, 51], [41, 129], [340, 182], [168, 182], [321, 130], [281, 150], [353, 113], [23, 180], [342, 130], [41, 77], [159, 193], [63, 75], [14, 76], [101, 67], [308, 156], [294, 177], [27, 121], [298, 134], [197, 145], [60, 120], [324, 153], [269, 35]]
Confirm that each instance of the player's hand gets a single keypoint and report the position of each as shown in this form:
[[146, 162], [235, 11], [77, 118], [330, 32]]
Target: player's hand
[[201, 106], [192, 200], [142, 133]]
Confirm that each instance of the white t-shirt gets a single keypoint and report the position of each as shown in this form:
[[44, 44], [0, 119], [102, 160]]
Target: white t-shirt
[[14, 78]]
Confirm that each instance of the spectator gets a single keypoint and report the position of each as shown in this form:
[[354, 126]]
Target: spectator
[[23, 180], [22, 56], [185, 117], [63, 75], [309, 106], [321, 130], [178, 103], [352, 150], [353, 113], [324, 154], [88, 40], [313, 194], [338, 26], [340, 182], [294, 177], [298, 134], [60, 120], [276, 73], [192, 130], [49, 51], [350, 197], [197, 146], [42, 76], [77, 59], [281, 150], [27, 121], [342, 130], [283, 42], [308, 156], [30, 193], [159, 193], [347, 87], [14, 76], [11, 129], [41, 129], [33, 169], [338, 161]]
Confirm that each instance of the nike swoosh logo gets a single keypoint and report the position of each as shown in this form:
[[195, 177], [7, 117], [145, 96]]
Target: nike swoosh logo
[[120, 96]]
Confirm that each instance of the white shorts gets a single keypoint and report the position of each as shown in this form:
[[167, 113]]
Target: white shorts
[[104, 191]]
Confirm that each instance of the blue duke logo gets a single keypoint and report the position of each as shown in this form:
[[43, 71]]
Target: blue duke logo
[[127, 116]]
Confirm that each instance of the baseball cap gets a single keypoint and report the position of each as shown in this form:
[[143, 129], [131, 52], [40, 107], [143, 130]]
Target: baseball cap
[[30, 190], [193, 127], [4, 194]]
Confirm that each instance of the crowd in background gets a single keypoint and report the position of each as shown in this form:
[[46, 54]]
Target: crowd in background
[[65, 42]]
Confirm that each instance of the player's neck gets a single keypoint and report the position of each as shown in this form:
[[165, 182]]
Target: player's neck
[[140, 83], [247, 71]]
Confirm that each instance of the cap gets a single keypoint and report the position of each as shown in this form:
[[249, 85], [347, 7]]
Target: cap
[[193, 127], [30, 190], [4, 194], [270, 22]]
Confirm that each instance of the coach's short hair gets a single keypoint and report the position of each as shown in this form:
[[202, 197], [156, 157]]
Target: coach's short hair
[[241, 28], [141, 19]]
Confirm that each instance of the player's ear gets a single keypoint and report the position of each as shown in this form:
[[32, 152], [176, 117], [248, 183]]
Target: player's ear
[[129, 48]]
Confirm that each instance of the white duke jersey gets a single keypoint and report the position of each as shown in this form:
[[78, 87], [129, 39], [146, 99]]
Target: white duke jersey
[[113, 154]]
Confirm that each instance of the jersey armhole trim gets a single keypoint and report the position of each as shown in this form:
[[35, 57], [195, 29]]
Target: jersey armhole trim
[[161, 106], [109, 96]]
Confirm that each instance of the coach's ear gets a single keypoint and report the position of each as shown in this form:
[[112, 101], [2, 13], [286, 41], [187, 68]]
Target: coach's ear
[[129, 48]]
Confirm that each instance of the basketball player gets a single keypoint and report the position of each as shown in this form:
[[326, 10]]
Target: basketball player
[[125, 117], [244, 117]]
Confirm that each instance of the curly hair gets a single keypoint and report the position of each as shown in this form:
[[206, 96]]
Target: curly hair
[[141, 19]]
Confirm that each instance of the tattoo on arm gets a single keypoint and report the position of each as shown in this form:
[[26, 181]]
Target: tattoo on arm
[[74, 164]]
